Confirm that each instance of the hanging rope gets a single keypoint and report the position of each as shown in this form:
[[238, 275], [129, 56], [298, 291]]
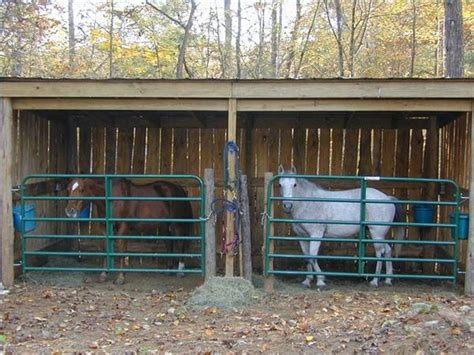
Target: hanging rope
[[231, 206]]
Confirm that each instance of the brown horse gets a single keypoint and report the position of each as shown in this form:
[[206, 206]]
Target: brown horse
[[135, 209]]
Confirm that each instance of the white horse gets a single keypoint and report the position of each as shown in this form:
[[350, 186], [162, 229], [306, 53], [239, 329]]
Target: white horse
[[338, 211]]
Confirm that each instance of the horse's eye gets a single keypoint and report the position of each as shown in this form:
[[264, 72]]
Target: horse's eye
[[279, 185], [294, 185]]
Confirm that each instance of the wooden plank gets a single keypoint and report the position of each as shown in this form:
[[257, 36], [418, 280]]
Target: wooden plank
[[469, 279], [194, 148], [388, 152], [207, 148], [269, 279], [365, 161], [312, 151], [98, 150], [337, 138], [180, 149], [119, 89], [416, 170], [166, 150], [351, 150], [231, 159], [124, 151], [324, 151], [346, 89], [84, 150], [286, 147], [351, 105], [246, 230], [6, 223], [299, 150], [377, 152], [110, 149], [139, 150], [210, 225], [141, 104], [153, 151], [273, 146]]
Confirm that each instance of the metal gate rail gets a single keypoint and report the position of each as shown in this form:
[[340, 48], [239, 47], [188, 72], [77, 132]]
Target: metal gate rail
[[362, 241], [110, 254]]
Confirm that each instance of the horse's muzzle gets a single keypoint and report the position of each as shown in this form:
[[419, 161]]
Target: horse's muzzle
[[71, 212], [287, 206]]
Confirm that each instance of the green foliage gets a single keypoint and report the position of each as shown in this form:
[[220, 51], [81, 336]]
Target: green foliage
[[145, 44]]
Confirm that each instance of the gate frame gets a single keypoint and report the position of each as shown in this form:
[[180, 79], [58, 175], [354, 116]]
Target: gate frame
[[109, 236], [361, 241]]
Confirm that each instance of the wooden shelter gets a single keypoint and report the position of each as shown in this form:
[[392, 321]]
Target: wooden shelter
[[390, 127]]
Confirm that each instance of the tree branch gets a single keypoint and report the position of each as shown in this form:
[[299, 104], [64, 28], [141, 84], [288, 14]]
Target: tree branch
[[179, 23]]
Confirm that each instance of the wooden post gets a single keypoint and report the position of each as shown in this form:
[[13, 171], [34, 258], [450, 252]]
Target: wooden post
[[431, 192], [231, 136], [210, 225], [6, 214], [268, 283], [246, 233], [469, 279]]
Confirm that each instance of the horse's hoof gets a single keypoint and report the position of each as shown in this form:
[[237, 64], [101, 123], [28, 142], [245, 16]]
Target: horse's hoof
[[388, 283], [180, 274], [119, 281], [321, 285], [102, 278], [306, 283], [374, 284]]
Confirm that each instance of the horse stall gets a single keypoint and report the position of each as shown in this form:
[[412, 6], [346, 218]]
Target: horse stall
[[393, 128]]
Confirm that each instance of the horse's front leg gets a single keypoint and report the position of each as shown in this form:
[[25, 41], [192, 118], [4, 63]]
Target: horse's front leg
[[379, 251], [305, 248], [314, 251], [121, 247]]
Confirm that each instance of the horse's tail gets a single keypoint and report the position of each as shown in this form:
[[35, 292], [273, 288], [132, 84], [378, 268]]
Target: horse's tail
[[399, 230]]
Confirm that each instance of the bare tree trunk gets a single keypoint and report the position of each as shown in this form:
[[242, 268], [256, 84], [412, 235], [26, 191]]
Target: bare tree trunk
[[294, 36], [237, 40], [305, 44], [337, 33], [438, 42], [413, 39], [184, 44], [187, 30], [228, 39], [111, 39], [261, 23], [72, 39], [453, 27], [274, 38], [352, 40]]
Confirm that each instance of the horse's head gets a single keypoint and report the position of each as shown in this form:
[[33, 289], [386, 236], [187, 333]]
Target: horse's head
[[287, 186], [77, 188]]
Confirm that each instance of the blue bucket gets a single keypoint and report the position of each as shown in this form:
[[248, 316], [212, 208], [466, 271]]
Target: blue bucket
[[463, 227], [423, 213], [86, 212], [30, 212]]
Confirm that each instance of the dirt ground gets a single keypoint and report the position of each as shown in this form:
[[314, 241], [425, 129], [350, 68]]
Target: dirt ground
[[71, 312]]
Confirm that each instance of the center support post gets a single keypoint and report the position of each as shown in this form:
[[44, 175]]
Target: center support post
[[231, 137]]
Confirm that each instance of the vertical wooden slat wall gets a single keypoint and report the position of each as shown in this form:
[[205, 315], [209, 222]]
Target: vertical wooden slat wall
[[386, 152]]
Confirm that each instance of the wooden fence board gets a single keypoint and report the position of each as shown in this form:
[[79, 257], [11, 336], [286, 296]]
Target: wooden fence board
[[166, 150], [153, 151], [312, 149], [139, 150], [351, 151], [324, 151], [337, 144]]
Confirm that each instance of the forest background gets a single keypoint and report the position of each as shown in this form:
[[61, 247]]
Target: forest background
[[246, 39]]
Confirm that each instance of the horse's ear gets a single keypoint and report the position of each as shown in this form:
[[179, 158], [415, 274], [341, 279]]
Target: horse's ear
[[293, 169], [281, 170]]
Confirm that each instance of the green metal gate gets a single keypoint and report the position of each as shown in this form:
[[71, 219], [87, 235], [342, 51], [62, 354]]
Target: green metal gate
[[109, 253], [362, 240]]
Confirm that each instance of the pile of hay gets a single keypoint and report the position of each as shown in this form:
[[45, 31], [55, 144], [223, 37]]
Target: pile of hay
[[224, 292]]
